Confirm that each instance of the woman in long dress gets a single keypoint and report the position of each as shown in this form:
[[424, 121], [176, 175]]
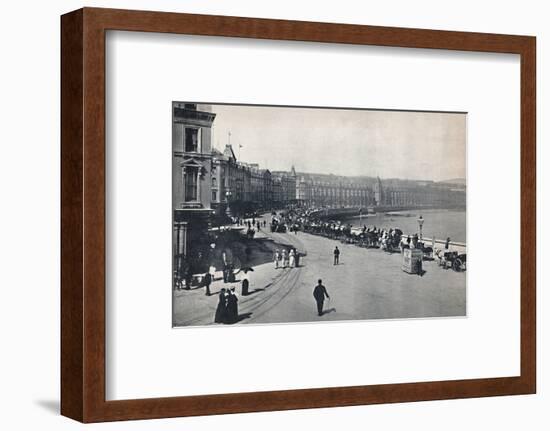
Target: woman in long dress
[[232, 307], [277, 259], [285, 258], [292, 258], [245, 283], [221, 309]]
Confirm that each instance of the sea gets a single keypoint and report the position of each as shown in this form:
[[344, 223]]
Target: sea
[[441, 223]]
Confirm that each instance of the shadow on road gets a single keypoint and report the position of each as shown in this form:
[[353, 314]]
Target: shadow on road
[[330, 310], [244, 316], [252, 292]]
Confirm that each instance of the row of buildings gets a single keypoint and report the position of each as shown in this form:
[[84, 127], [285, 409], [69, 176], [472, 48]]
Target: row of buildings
[[210, 184]]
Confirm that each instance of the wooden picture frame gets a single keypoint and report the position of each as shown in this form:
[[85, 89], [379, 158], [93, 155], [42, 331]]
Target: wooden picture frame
[[83, 334]]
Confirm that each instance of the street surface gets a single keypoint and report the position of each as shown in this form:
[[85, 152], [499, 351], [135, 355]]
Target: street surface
[[367, 284]]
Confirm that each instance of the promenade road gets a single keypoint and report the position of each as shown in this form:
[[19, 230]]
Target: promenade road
[[367, 284]]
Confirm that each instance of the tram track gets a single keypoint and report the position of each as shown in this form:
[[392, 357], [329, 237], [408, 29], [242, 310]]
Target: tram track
[[263, 298]]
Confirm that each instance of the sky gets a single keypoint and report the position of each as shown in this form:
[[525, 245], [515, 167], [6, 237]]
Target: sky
[[389, 144]]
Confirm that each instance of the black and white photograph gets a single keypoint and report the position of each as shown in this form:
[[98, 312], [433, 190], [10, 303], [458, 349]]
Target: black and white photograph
[[313, 214]]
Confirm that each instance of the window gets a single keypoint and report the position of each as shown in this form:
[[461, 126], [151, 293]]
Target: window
[[192, 106], [190, 179], [214, 182], [214, 195], [191, 140]]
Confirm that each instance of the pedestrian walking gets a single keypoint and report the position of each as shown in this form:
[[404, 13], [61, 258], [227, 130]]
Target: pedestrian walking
[[207, 283], [221, 309], [336, 256], [285, 258], [230, 274], [225, 262], [232, 307], [319, 293], [292, 258], [277, 259], [245, 283], [258, 225]]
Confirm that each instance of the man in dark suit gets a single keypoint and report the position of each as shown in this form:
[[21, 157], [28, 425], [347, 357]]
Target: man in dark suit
[[336, 256], [319, 293], [207, 283]]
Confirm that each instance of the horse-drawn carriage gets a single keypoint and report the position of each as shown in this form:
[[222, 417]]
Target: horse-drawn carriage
[[451, 259], [277, 226], [371, 239], [427, 251], [392, 242]]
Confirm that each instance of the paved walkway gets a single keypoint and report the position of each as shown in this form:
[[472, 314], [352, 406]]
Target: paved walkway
[[368, 284]]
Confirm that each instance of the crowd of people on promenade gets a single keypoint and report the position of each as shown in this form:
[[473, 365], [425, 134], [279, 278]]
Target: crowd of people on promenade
[[294, 220], [391, 240], [284, 258], [252, 224]]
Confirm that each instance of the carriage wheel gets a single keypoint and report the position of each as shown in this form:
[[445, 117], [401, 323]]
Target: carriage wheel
[[457, 264]]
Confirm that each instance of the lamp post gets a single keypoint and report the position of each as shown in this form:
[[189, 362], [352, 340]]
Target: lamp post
[[420, 221]]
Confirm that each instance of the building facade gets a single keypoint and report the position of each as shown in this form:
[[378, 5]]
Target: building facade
[[209, 185], [285, 188], [192, 190], [397, 193], [192, 159], [246, 187], [320, 190], [238, 187]]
